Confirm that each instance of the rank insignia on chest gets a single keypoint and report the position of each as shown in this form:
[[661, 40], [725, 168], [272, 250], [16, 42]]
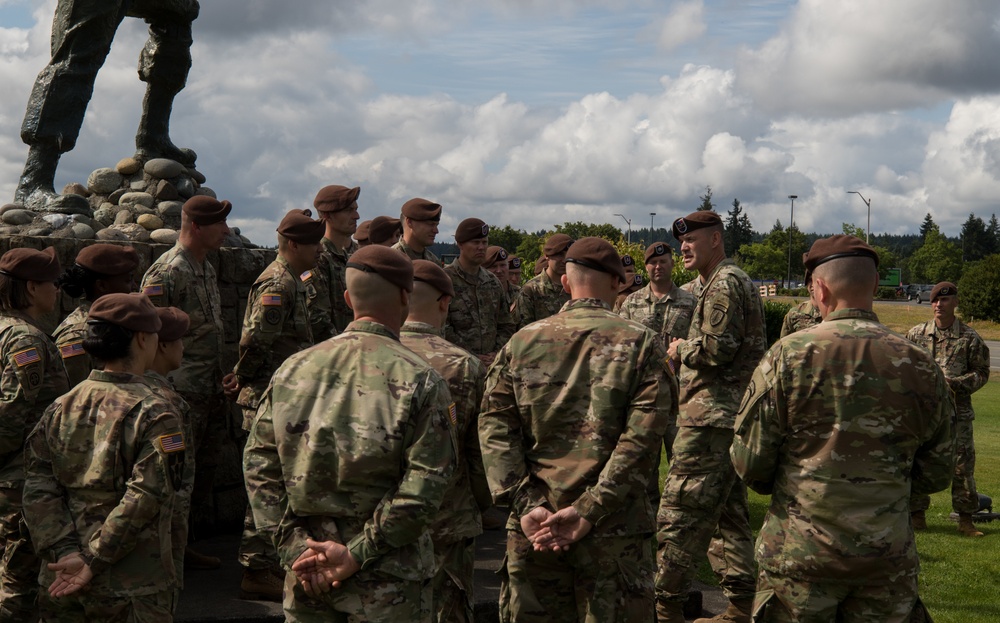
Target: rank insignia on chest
[[173, 442], [154, 289], [27, 357], [72, 350], [271, 300], [453, 414]]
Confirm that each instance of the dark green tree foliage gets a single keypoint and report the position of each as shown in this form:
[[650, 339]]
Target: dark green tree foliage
[[993, 232], [976, 242], [886, 258], [926, 226], [938, 259], [738, 229], [774, 316], [979, 290], [579, 229], [706, 200], [506, 237], [769, 259]]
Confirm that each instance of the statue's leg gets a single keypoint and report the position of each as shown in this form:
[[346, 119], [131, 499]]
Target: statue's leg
[[82, 32], [163, 66]]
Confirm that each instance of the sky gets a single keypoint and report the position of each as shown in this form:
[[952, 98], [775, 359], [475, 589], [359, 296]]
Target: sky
[[531, 113]]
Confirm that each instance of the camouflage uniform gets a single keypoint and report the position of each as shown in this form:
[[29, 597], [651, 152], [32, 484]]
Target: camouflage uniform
[[669, 316], [105, 468], [539, 298], [838, 424], [702, 492], [590, 444], [511, 291], [479, 318], [413, 255], [352, 443], [31, 377], [177, 279], [325, 285], [458, 522], [802, 316], [68, 338], [965, 360]]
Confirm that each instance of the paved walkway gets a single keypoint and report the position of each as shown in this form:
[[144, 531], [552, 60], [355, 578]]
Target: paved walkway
[[994, 354]]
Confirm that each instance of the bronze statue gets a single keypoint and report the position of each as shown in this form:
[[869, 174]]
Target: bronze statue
[[82, 32]]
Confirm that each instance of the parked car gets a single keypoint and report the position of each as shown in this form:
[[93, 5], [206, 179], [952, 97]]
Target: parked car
[[924, 295], [915, 291]]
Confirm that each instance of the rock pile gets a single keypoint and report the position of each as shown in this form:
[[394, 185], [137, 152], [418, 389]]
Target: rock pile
[[134, 201]]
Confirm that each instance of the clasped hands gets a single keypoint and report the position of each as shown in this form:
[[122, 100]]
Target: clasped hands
[[555, 532], [324, 565]]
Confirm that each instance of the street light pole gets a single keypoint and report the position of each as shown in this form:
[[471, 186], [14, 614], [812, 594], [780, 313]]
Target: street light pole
[[868, 202], [651, 215], [628, 221], [791, 224]]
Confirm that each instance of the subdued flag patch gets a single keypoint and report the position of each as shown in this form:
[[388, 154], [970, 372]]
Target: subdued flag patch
[[153, 289], [27, 357], [270, 299], [72, 350], [453, 414], [173, 442]]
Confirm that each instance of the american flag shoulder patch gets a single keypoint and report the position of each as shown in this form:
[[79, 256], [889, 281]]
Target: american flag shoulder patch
[[453, 414], [27, 357], [72, 350], [174, 442], [153, 289], [270, 299], [306, 276]]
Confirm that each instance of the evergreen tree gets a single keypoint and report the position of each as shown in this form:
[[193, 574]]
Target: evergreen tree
[[738, 229], [938, 259], [975, 239], [926, 226], [706, 200], [993, 235]]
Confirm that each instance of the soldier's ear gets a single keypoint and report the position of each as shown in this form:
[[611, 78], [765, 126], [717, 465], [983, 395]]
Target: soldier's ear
[[347, 298]]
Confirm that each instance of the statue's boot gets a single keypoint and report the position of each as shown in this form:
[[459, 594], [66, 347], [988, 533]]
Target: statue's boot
[[36, 188], [153, 138]]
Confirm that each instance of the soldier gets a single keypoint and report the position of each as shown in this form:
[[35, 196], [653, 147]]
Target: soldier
[[496, 263], [105, 468], [543, 295], [725, 341], [420, 219], [31, 377], [458, 522], [965, 360], [328, 311], [514, 272], [627, 286], [276, 326], [364, 424], [804, 315], [838, 433], [184, 278], [99, 269], [384, 231], [361, 235], [479, 318], [661, 306], [540, 265], [569, 431]]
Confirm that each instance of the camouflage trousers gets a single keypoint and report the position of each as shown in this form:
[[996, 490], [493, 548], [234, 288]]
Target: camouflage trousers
[[702, 498], [20, 565], [256, 549], [781, 599], [964, 497], [598, 580], [366, 596], [86, 607], [452, 584]]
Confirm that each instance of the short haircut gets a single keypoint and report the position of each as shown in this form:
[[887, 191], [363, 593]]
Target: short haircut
[[13, 293], [848, 275]]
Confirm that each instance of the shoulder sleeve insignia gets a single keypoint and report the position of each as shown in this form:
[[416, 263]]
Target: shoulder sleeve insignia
[[174, 442], [270, 300], [27, 357], [453, 414], [153, 289], [72, 350]]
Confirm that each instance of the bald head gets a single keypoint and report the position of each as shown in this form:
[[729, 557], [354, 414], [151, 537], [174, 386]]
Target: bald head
[[584, 283], [372, 297]]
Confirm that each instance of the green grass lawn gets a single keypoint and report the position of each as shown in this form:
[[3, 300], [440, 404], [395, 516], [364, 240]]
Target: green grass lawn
[[960, 577]]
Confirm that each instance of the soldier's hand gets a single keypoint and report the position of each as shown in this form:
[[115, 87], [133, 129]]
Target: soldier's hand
[[72, 574], [564, 528], [672, 349], [531, 523], [231, 386], [325, 564]]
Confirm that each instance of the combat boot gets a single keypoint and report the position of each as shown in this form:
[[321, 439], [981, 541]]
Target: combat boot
[[669, 611], [966, 527], [196, 560], [918, 520], [261, 585], [738, 611]]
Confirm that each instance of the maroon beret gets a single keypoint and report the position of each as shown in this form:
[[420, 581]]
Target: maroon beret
[[495, 254], [695, 220], [205, 210], [31, 265], [657, 249], [174, 323], [336, 198], [541, 264], [361, 234], [513, 262], [432, 274], [108, 259], [471, 229], [299, 226], [421, 210], [133, 311], [631, 285], [835, 247], [556, 244], [382, 228], [627, 260], [390, 264], [945, 288], [596, 254]]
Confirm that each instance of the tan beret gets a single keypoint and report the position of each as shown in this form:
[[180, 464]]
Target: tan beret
[[471, 229], [382, 228], [696, 220], [495, 254], [205, 210], [108, 259], [596, 254], [174, 323], [421, 210], [945, 288], [836, 247], [336, 198], [31, 265], [133, 311], [432, 274], [361, 234], [390, 264], [299, 226], [556, 244]]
